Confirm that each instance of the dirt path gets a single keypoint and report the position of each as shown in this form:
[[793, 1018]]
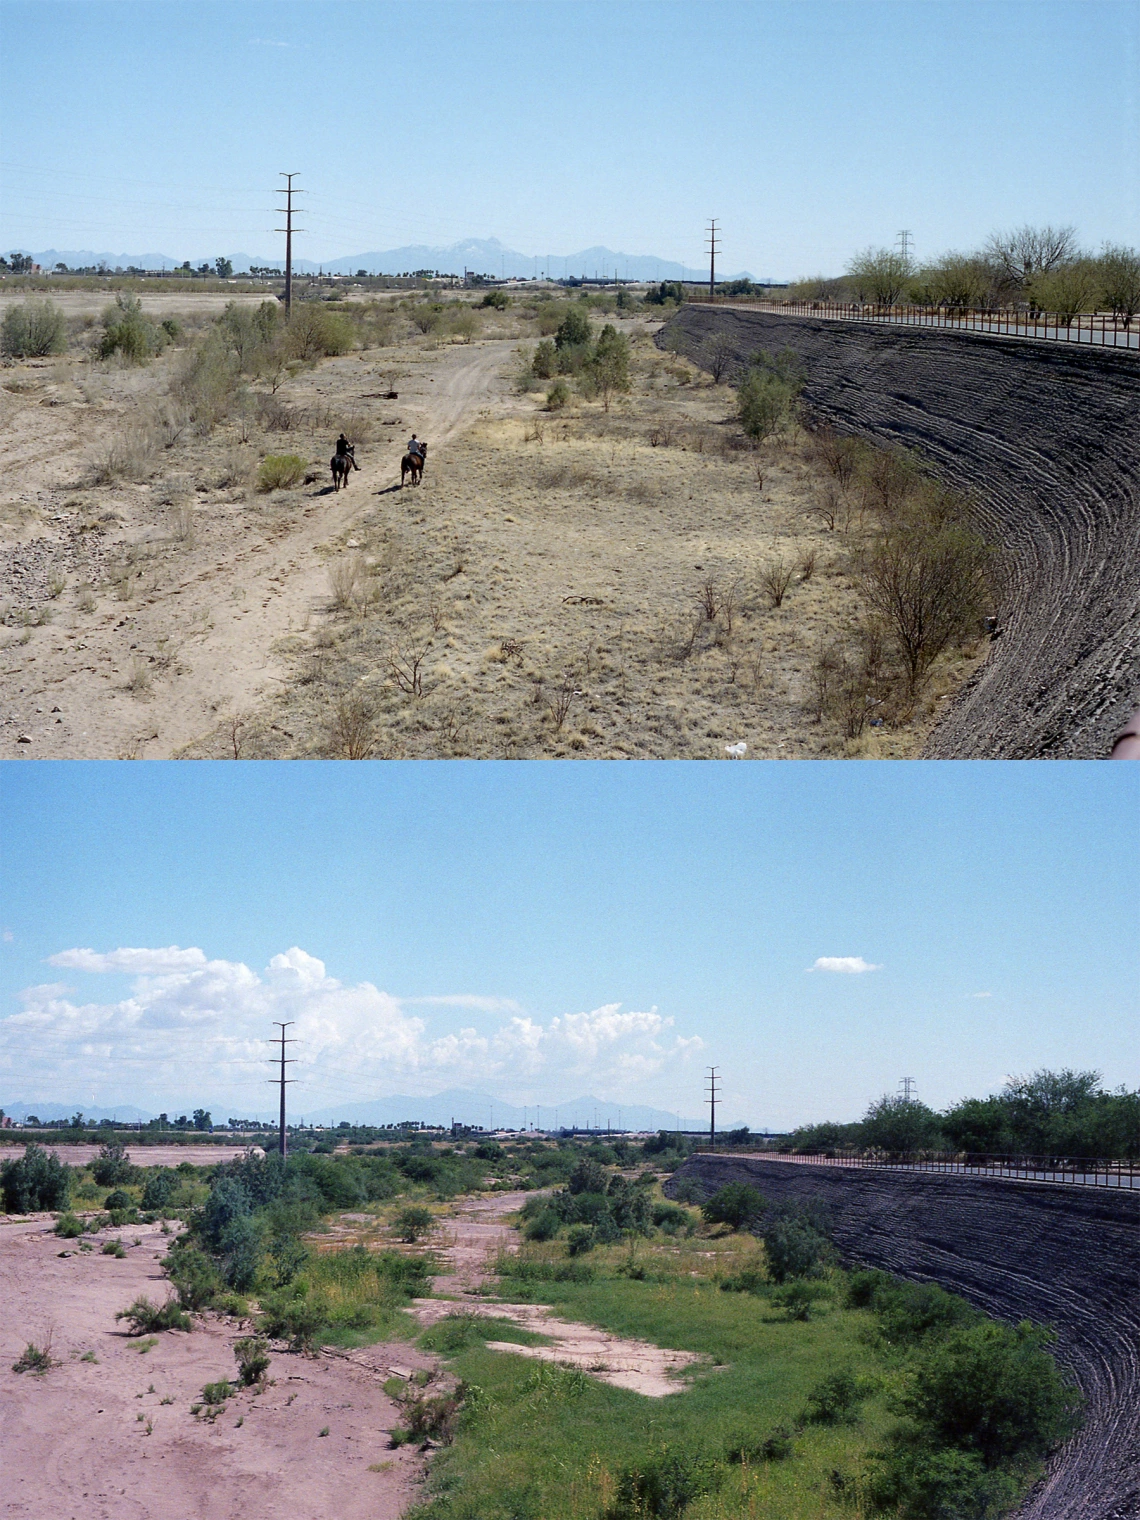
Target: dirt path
[[469, 1243], [223, 607], [76, 1440]]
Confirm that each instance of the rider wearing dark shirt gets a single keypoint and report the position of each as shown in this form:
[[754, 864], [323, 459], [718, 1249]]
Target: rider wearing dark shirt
[[342, 445]]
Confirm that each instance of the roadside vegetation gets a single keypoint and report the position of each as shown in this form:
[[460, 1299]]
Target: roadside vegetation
[[1048, 1113]]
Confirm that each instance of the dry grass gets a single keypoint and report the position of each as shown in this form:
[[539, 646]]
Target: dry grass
[[638, 584]]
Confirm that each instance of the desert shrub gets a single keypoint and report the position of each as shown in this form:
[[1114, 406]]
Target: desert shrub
[[241, 1254], [797, 1298], [581, 1238], [194, 1277], [737, 1204], [664, 1485], [432, 1418], [916, 1482], [112, 1165], [544, 361], [527, 1269], [252, 1356], [499, 300], [160, 1188], [69, 1226], [32, 330], [795, 1245], [588, 1176], [836, 1400], [910, 1312], [217, 1393], [412, 1222], [208, 383], [574, 329], [766, 396], [118, 1201], [557, 396], [670, 1219], [314, 333], [34, 1358], [146, 1318], [543, 1226], [455, 1333], [291, 1318], [747, 1281], [113, 1248], [608, 365], [128, 332], [668, 290], [277, 472], [36, 1181]]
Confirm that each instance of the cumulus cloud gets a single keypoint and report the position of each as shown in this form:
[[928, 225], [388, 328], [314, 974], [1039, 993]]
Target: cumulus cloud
[[852, 965], [190, 1025]]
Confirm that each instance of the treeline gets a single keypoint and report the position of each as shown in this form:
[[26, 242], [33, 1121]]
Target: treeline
[[1036, 269], [1050, 1113]]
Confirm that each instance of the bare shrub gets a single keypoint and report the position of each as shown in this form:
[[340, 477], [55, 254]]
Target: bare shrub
[[707, 598], [182, 523], [56, 585], [563, 699], [131, 456], [405, 665], [352, 727], [348, 582], [807, 565], [86, 601], [775, 578], [717, 356], [236, 469], [535, 431], [138, 679], [274, 415], [208, 384]]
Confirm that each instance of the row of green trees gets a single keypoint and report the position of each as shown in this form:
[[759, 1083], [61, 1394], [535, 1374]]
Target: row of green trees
[[1041, 269], [1050, 1113]]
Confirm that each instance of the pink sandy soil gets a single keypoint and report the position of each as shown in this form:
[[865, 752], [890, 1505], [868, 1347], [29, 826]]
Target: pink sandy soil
[[141, 1155], [74, 1446]]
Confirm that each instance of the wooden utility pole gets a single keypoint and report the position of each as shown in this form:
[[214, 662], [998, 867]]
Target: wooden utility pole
[[282, 1079], [713, 241], [712, 1080], [288, 193]]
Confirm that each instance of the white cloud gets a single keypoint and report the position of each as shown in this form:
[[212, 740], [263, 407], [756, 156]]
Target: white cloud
[[191, 1028], [981, 994], [850, 964], [465, 1000]]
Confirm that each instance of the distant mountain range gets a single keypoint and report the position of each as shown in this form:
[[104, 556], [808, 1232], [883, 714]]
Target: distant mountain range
[[481, 255], [456, 1105]]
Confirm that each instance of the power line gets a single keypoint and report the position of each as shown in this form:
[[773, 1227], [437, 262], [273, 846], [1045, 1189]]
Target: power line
[[908, 1085], [904, 240], [713, 243], [283, 1079], [288, 193], [713, 1098]]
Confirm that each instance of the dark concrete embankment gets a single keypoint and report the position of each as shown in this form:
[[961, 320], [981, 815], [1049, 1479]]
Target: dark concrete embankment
[[1064, 1256], [1048, 438]]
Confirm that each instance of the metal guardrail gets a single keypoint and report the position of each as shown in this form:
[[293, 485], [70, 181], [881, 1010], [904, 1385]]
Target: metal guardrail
[[1075, 1171], [1098, 329]]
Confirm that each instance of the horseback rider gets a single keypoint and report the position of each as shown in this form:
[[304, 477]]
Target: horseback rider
[[415, 447], [343, 446]]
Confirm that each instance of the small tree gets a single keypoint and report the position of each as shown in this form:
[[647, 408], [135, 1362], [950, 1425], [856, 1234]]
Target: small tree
[[880, 273], [112, 1165], [1022, 255], [900, 1125], [1067, 291], [223, 268], [573, 330], [609, 366], [37, 1181], [1120, 281], [738, 1204]]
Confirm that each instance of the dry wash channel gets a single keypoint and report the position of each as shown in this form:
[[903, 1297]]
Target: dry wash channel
[[1048, 436], [1065, 1256]]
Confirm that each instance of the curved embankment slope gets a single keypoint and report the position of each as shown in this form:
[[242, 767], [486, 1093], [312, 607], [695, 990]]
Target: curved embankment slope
[[1048, 436], [1065, 1256]]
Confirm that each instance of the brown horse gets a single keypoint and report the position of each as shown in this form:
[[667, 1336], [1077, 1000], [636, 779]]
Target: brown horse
[[413, 465], [341, 466]]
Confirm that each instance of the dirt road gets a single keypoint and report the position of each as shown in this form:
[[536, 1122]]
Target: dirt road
[[208, 624], [108, 1431], [1047, 436], [1059, 1255]]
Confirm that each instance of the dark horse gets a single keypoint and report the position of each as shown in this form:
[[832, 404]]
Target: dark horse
[[341, 465], [413, 464]]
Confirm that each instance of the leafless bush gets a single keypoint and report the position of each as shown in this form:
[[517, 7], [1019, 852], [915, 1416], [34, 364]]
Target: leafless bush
[[348, 582], [352, 728], [274, 415], [852, 684], [86, 601], [662, 436], [131, 456], [842, 456], [182, 523], [569, 473], [138, 679], [775, 578], [717, 356], [405, 665], [707, 598], [56, 584], [563, 699], [237, 469], [807, 565], [535, 431]]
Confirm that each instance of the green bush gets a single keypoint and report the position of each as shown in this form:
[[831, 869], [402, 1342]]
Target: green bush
[[737, 1204], [543, 1226], [580, 1239], [146, 1318], [194, 1277], [277, 472], [36, 1182], [836, 1400], [544, 361], [664, 1485], [34, 1358], [33, 330], [252, 1355], [160, 1188], [777, 1447], [573, 330], [118, 1201], [557, 396], [112, 1166], [917, 1482], [69, 1226], [113, 1248], [797, 1297], [217, 1393], [129, 333], [455, 1333], [498, 299], [795, 1246], [748, 1281], [412, 1222]]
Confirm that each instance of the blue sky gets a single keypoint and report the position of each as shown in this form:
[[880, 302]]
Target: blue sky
[[810, 128], [537, 930]]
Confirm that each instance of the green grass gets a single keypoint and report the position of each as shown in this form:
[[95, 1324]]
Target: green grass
[[537, 1444]]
